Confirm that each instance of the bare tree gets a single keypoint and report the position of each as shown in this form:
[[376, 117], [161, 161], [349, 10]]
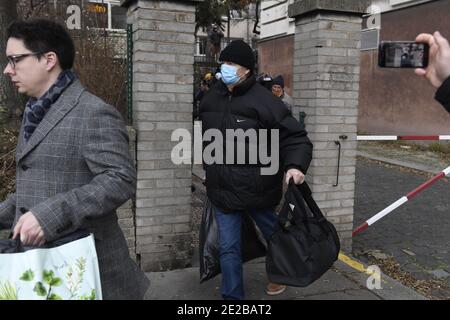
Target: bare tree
[[100, 55], [8, 96], [31, 8]]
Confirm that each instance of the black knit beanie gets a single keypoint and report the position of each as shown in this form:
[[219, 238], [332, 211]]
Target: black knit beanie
[[279, 81], [239, 52]]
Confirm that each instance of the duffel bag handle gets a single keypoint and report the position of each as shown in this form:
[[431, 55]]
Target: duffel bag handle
[[302, 191], [298, 211]]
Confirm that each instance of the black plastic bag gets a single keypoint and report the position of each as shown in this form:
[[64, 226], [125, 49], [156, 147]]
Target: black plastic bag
[[253, 243], [304, 246]]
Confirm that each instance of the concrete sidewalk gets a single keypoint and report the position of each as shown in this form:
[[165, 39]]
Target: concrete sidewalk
[[347, 280], [402, 156], [342, 282]]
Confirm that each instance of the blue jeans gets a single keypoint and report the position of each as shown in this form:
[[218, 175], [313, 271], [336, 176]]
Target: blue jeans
[[229, 224]]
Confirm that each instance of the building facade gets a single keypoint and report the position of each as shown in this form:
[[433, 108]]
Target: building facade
[[392, 101], [395, 101]]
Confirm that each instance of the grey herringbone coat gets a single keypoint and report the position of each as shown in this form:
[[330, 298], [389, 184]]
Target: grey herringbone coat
[[73, 173]]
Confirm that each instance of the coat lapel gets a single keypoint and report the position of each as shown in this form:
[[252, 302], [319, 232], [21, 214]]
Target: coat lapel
[[68, 99]]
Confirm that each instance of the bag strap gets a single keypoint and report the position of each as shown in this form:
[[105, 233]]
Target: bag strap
[[298, 210], [18, 245], [303, 191], [299, 194]]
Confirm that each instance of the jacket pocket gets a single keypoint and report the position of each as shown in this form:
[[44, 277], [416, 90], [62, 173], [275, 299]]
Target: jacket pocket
[[245, 180]]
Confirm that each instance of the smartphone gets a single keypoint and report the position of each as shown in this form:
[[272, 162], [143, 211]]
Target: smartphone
[[403, 54]]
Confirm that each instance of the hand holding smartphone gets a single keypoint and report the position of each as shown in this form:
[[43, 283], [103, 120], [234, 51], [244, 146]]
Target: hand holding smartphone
[[403, 54], [438, 69]]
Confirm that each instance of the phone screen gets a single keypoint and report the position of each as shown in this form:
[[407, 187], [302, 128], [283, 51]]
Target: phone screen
[[403, 55]]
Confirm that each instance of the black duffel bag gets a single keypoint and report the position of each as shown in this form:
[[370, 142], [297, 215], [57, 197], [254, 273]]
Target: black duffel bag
[[304, 245]]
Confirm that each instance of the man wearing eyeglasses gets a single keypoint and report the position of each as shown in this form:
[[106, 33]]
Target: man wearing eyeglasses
[[73, 165]]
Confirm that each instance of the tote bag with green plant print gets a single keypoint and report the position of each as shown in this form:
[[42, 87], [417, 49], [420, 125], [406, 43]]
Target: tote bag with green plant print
[[66, 272]]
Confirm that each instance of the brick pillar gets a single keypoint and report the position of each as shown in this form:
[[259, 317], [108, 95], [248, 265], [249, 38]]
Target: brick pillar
[[163, 57], [326, 85]]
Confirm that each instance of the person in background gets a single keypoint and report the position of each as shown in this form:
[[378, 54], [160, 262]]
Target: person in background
[[204, 87], [265, 80], [278, 90]]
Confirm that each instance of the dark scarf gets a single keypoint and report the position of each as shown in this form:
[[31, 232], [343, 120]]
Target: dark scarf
[[36, 109]]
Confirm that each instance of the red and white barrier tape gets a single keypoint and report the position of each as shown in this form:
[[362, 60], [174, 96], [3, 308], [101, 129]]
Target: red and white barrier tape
[[400, 202], [394, 138]]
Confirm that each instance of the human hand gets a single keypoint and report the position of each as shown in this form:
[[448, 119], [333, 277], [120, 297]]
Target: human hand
[[438, 69], [29, 230], [297, 175]]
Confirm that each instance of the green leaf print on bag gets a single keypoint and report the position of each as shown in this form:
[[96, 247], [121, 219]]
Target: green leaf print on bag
[[91, 297], [40, 289], [8, 291], [45, 287], [50, 279], [54, 296], [27, 275]]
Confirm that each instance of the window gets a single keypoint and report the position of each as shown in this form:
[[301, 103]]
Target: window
[[118, 17], [97, 15], [107, 14], [200, 46]]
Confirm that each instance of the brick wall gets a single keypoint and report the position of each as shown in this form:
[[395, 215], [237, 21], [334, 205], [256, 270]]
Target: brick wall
[[326, 84], [163, 37]]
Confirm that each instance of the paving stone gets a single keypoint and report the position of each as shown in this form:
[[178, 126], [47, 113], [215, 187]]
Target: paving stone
[[415, 234], [439, 273]]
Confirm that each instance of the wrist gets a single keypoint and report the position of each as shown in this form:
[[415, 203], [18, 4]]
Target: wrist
[[289, 167], [443, 92]]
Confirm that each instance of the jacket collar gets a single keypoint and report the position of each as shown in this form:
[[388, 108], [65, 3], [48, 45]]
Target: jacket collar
[[68, 99], [241, 88]]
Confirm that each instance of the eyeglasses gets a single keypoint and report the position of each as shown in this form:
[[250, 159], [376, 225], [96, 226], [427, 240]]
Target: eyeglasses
[[14, 59]]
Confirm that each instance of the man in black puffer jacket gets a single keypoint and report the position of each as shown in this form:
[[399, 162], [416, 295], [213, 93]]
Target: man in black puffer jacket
[[238, 102], [438, 70]]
